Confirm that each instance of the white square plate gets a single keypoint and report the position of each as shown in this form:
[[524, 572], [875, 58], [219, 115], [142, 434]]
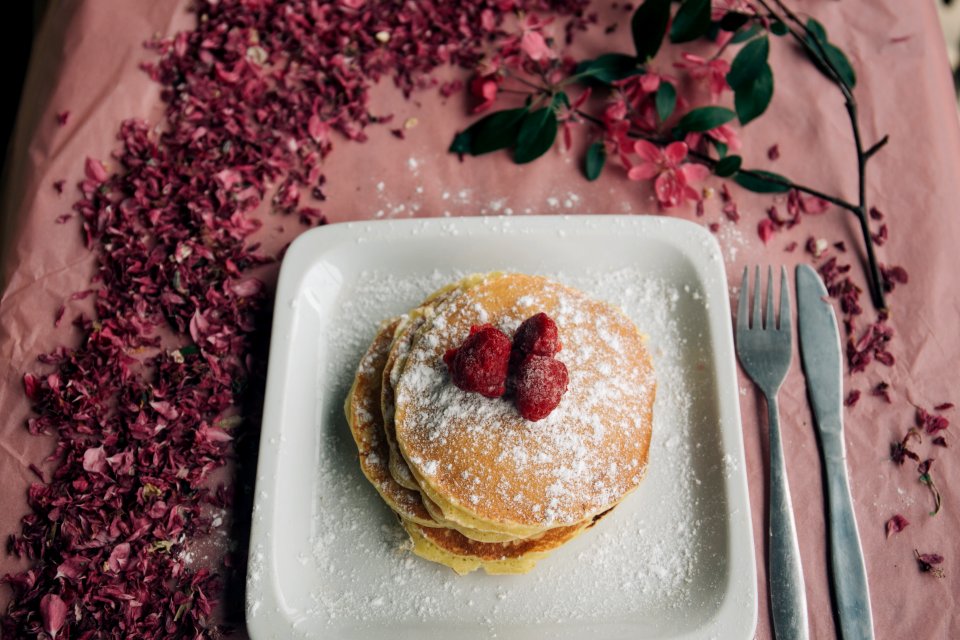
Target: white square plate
[[674, 560]]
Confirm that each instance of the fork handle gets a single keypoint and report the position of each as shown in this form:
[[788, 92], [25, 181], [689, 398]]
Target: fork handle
[[788, 600]]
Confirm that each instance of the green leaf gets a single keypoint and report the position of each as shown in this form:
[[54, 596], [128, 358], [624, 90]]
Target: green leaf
[[596, 158], [763, 182], [608, 68], [728, 166], [721, 147], [837, 58], [691, 22], [743, 36], [649, 24], [748, 63], [496, 131], [731, 21], [704, 119], [537, 133], [778, 28], [666, 100], [753, 99]]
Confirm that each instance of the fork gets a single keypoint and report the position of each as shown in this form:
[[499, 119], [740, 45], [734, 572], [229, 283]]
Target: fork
[[765, 351]]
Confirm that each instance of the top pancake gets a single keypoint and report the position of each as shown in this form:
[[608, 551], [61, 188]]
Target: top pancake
[[487, 466]]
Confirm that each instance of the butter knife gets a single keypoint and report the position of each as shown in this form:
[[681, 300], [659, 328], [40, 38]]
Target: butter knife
[[820, 352]]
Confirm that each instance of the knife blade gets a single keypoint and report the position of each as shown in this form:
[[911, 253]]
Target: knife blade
[[822, 367]]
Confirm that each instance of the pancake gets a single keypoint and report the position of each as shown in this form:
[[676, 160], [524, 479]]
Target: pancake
[[366, 424], [409, 323], [489, 469], [463, 555], [397, 354], [403, 336]]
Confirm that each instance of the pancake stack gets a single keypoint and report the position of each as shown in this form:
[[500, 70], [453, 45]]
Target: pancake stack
[[474, 483]]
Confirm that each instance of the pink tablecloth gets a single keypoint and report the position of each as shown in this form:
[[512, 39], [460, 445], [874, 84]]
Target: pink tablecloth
[[86, 61]]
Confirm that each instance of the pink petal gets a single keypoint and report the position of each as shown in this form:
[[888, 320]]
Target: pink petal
[[896, 524], [119, 557], [318, 129], [693, 59], [675, 153], [648, 151], [95, 170], [689, 193], [53, 610], [643, 171], [649, 82], [533, 44], [245, 288], [95, 460], [765, 230], [692, 140], [694, 172], [669, 187]]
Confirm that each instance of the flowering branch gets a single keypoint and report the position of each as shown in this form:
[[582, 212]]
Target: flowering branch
[[712, 163], [677, 146]]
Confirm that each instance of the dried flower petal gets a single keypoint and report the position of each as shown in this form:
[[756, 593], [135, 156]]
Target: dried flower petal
[[896, 524], [926, 562], [930, 422], [95, 170], [53, 610], [765, 230], [253, 95], [882, 390]]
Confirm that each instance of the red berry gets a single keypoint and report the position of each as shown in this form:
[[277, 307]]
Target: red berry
[[537, 335], [539, 385], [481, 362]]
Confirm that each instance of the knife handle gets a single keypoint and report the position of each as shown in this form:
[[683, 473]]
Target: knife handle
[[788, 598], [846, 556]]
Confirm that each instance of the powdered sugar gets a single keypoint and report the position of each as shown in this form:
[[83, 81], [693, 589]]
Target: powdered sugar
[[653, 549]]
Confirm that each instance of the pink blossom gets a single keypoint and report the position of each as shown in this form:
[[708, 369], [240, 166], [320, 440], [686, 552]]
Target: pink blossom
[[713, 71], [485, 89], [671, 178]]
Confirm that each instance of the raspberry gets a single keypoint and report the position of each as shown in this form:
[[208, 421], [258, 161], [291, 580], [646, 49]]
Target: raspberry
[[482, 361], [540, 383], [537, 335]]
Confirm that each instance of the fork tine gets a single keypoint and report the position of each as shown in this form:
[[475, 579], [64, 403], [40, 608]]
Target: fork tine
[[743, 304], [757, 287], [771, 320], [785, 314]]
